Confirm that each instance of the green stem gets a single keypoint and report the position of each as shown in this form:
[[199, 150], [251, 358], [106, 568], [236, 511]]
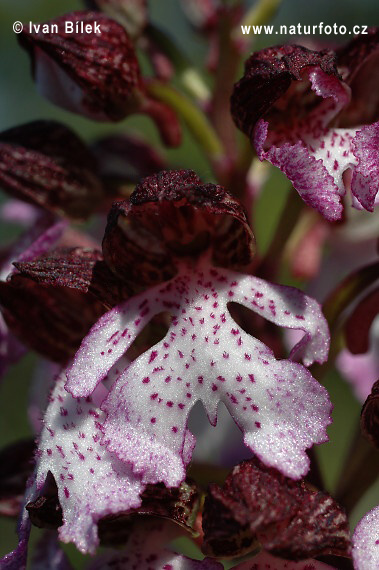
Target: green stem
[[261, 13], [288, 219], [194, 118], [187, 74], [225, 76], [359, 472]]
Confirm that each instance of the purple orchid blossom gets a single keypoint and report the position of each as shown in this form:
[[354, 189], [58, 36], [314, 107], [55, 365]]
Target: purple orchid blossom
[[124, 422], [246, 379], [297, 107], [179, 313], [96, 75]]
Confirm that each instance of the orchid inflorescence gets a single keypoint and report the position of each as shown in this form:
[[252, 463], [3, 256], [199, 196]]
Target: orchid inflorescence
[[178, 306]]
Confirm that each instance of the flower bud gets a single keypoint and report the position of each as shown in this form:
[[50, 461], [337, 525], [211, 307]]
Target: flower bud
[[46, 164], [95, 74]]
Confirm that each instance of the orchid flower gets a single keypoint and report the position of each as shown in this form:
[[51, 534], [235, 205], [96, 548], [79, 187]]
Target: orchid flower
[[175, 316], [310, 114], [46, 164], [96, 75], [134, 414]]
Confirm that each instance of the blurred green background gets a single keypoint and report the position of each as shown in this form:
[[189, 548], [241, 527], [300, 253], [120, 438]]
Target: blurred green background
[[20, 102]]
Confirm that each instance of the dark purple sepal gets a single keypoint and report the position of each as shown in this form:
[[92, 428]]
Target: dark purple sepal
[[172, 215], [46, 164], [370, 416], [52, 321], [80, 269], [258, 503], [269, 74]]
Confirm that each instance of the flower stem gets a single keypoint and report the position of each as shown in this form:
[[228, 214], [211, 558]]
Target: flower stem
[[188, 75], [260, 13], [194, 118], [225, 76], [359, 472], [290, 214]]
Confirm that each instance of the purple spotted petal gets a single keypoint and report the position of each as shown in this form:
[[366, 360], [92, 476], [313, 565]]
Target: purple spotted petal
[[265, 561], [92, 482], [364, 184], [313, 156], [366, 542], [297, 127], [205, 356]]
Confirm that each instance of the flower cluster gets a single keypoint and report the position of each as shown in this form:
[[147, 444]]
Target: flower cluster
[[170, 310]]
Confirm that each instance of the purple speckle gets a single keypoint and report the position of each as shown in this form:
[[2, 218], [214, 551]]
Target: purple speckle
[[153, 356]]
